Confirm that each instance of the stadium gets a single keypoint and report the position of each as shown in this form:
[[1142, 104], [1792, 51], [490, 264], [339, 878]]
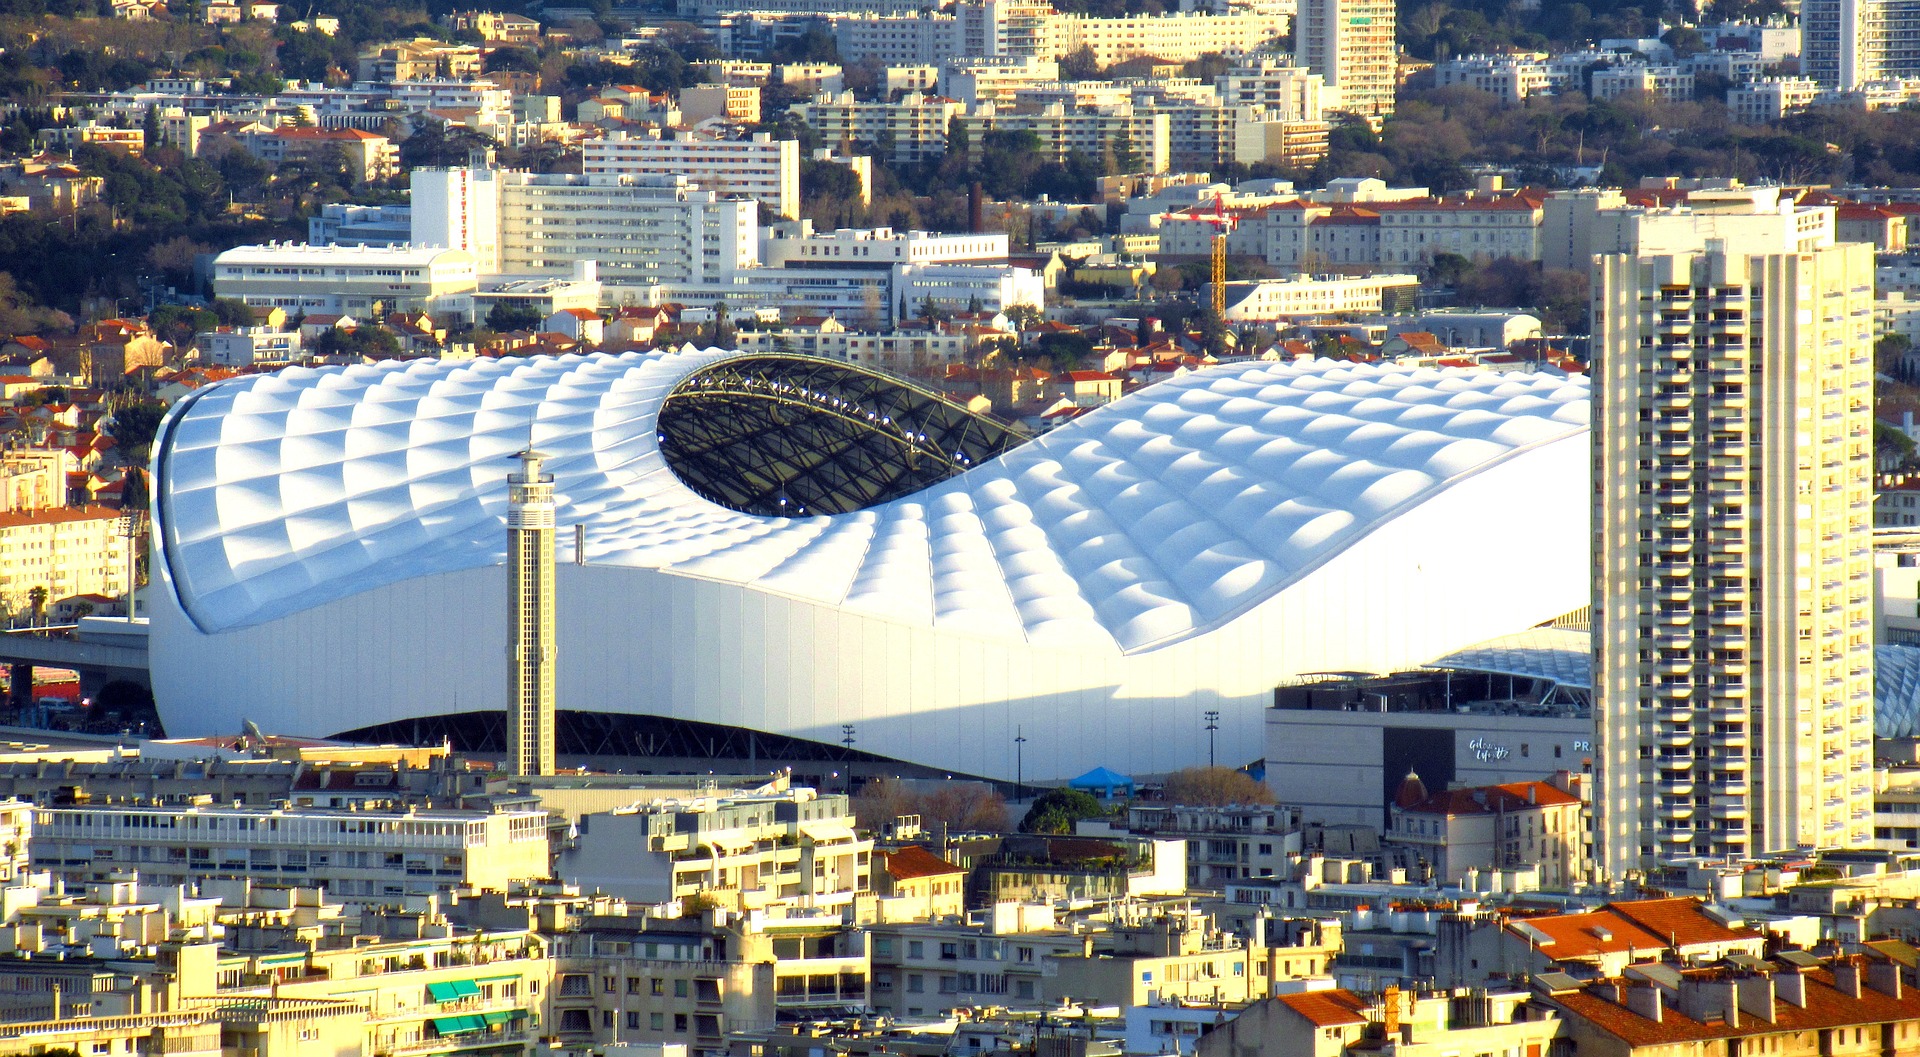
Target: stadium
[[767, 554]]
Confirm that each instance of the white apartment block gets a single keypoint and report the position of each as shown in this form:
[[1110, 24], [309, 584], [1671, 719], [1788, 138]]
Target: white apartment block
[[1090, 130], [1350, 43], [1175, 38], [760, 167], [1309, 296], [898, 351], [245, 346], [354, 280], [1765, 101], [914, 129], [1284, 91], [1512, 78], [797, 243], [348, 279], [795, 849], [360, 856], [1844, 43], [639, 229], [1733, 573], [992, 80], [1666, 82], [1008, 27], [919, 288], [910, 39]]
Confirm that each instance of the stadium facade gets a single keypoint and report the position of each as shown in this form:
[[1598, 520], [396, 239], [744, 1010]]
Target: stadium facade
[[786, 545]]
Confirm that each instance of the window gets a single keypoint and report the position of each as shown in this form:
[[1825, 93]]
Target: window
[[657, 1021], [679, 1022], [659, 986], [679, 989], [633, 1021]]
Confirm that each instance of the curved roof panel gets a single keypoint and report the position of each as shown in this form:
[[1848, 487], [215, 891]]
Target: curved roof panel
[[1158, 516]]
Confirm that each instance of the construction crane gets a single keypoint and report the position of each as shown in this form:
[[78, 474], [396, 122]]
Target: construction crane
[[1222, 224]]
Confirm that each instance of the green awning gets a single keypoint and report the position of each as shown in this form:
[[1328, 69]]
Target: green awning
[[452, 990], [459, 1025], [498, 1018]]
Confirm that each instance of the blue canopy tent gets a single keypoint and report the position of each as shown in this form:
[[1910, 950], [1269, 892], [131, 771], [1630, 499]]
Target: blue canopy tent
[[1103, 783]]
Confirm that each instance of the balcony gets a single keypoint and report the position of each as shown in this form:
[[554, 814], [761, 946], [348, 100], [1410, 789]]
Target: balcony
[[1676, 810], [1729, 807], [1676, 739], [1728, 739], [1677, 786]]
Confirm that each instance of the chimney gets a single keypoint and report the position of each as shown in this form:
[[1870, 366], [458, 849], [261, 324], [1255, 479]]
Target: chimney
[[1791, 987], [1756, 996], [1533, 792], [1884, 977], [1846, 977], [1644, 999]]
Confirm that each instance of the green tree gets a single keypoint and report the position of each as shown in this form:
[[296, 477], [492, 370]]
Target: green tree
[[1057, 810], [133, 426], [502, 318]]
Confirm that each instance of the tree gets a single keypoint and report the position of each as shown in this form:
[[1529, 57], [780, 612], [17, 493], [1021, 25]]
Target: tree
[[37, 598], [964, 807], [133, 428], [502, 318], [231, 312], [1214, 787], [1058, 810], [1892, 448], [1889, 354]]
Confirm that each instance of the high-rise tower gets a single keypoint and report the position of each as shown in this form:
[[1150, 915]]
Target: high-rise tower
[[1351, 45], [1732, 556], [530, 652]]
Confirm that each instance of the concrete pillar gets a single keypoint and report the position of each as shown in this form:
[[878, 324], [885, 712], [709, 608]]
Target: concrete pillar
[[20, 680]]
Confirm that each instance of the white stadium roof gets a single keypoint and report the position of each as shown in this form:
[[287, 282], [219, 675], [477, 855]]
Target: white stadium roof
[[1154, 521]]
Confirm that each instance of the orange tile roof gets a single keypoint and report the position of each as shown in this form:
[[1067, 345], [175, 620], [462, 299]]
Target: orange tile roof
[[1826, 1007], [1326, 1009], [914, 861], [1647, 925]]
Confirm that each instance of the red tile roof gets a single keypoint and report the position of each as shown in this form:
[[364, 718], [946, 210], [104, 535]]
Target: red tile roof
[[1326, 1009], [1826, 1007], [914, 861], [1647, 925]]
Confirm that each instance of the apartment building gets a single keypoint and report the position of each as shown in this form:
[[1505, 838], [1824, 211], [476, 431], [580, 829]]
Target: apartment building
[[495, 27], [640, 229], [1732, 556], [363, 857], [914, 129], [922, 968], [1175, 38], [1223, 843], [898, 350], [632, 980], [418, 60], [1091, 130], [797, 244], [995, 79], [795, 848], [244, 346], [1350, 43], [1771, 98], [912, 38], [1512, 78], [67, 551], [1487, 828], [1306, 296], [1340, 1023], [760, 167], [359, 280], [33, 479], [1629, 79], [1281, 89]]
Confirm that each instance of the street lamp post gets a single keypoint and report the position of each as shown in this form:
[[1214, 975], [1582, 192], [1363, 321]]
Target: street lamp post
[[1213, 725], [1019, 761], [846, 738]]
